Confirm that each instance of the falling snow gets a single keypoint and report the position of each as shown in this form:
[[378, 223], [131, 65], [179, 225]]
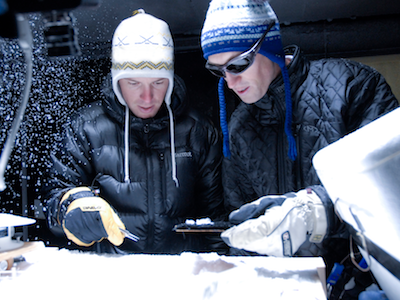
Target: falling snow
[[59, 85]]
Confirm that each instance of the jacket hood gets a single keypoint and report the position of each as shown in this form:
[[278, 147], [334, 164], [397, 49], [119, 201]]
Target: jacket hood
[[168, 113]]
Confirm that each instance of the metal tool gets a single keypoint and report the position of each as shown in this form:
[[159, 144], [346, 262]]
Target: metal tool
[[129, 235]]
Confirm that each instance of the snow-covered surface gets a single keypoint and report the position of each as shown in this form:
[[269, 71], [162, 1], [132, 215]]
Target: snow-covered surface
[[63, 274], [204, 221]]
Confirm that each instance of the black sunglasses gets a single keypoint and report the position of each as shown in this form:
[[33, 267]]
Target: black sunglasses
[[241, 62]]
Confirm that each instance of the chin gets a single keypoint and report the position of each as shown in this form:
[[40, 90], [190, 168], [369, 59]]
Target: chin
[[249, 100], [146, 117]]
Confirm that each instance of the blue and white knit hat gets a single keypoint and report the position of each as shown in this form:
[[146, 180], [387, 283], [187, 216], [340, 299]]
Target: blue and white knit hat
[[142, 46], [235, 25]]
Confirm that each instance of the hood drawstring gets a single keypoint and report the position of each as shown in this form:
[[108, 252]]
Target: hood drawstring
[[222, 117], [127, 129], [292, 151], [172, 136]]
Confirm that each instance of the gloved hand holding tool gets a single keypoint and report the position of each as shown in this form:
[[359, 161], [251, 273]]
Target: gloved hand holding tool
[[278, 225], [87, 218]]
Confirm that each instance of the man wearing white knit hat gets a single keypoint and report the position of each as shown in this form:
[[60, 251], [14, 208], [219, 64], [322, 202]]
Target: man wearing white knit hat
[[140, 160], [290, 108]]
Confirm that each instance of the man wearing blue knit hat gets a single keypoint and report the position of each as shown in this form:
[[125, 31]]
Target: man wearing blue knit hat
[[290, 108]]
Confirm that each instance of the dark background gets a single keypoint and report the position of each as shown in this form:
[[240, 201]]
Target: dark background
[[342, 28]]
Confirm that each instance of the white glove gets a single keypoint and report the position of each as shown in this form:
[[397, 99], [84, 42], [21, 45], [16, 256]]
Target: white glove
[[283, 228]]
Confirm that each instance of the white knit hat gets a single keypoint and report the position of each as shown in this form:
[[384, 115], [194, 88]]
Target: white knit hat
[[142, 46]]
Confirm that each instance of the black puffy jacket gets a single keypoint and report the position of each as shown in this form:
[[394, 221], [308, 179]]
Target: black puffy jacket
[[149, 206], [331, 98]]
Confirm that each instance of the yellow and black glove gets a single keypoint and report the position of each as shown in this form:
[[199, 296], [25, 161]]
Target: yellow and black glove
[[87, 218]]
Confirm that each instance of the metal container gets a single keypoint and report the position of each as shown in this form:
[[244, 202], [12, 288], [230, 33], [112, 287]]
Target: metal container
[[7, 231], [361, 173]]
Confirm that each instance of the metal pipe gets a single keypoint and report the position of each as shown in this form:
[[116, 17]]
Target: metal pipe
[[25, 42]]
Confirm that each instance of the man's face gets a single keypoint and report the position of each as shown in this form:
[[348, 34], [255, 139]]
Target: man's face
[[252, 84], [144, 96]]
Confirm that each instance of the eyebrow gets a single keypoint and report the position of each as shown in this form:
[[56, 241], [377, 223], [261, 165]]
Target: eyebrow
[[138, 79]]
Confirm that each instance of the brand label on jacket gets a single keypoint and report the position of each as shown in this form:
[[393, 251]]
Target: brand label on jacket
[[187, 154]]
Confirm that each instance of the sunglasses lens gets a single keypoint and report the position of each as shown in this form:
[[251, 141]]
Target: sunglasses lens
[[238, 66], [215, 70]]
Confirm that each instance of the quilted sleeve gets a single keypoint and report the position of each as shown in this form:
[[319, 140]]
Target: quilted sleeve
[[369, 96]]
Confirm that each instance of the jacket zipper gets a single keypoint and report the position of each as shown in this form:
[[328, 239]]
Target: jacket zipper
[[150, 194], [297, 163], [163, 176], [282, 185]]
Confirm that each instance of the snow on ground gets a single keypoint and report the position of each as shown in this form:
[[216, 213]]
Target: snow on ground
[[63, 274]]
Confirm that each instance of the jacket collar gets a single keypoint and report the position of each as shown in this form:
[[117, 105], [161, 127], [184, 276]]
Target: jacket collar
[[297, 70]]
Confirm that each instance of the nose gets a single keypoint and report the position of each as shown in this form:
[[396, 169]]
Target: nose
[[147, 93], [231, 79]]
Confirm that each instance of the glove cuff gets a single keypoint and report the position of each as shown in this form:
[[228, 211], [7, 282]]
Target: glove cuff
[[319, 224], [318, 219], [70, 196]]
